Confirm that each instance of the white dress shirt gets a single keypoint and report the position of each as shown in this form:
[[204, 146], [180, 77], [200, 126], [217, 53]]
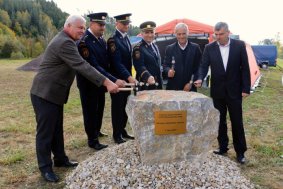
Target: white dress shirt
[[224, 50]]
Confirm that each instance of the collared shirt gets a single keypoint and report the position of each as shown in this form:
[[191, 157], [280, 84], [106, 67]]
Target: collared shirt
[[123, 34], [183, 48], [93, 34], [224, 50]]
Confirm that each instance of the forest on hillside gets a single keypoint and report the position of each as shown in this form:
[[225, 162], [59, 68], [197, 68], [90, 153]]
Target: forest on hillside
[[27, 26]]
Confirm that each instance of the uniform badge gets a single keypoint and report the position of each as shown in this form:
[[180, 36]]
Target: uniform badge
[[85, 52], [137, 54]]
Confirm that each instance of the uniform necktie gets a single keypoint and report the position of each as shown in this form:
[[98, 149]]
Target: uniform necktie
[[126, 42], [153, 49]]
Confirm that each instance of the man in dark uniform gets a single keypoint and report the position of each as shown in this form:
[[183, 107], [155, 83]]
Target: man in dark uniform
[[181, 61], [146, 58], [120, 52], [92, 48]]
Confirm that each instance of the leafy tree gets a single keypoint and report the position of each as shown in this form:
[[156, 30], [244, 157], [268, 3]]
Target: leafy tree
[[134, 30], [5, 18], [17, 55], [18, 28], [56, 15], [37, 49], [7, 49], [23, 18], [4, 30]]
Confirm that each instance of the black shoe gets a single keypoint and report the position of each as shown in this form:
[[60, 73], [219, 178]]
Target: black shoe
[[241, 158], [97, 146], [65, 163], [221, 152], [50, 176], [119, 140], [128, 137], [101, 134]]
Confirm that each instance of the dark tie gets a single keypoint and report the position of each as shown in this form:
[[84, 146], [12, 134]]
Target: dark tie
[[101, 41], [126, 42], [153, 49]]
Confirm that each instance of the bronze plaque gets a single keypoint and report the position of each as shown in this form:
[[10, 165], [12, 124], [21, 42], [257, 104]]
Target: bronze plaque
[[170, 122]]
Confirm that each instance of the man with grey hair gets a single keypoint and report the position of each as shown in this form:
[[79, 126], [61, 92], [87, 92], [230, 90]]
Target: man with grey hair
[[50, 91], [230, 83], [181, 61]]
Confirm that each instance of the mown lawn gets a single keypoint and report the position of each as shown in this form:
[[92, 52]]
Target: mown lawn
[[263, 119]]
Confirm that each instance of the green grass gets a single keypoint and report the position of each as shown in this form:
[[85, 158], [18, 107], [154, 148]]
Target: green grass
[[263, 120], [12, 156]]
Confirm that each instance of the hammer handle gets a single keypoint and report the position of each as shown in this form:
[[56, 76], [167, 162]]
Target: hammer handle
[[125, 89]]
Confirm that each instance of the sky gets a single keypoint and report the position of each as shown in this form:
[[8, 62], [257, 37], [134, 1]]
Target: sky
[[252, 20]]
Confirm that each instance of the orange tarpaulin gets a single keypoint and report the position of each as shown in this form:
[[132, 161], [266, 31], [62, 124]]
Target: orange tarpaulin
[[194, 27], [254, 69]]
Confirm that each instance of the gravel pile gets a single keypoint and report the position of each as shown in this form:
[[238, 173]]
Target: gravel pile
[[119, 166]]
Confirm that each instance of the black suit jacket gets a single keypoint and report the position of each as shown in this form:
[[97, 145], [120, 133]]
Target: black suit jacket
[[183, 69], [236, 78]]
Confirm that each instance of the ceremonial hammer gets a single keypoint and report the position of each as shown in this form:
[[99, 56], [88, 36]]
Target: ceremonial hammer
[[135, 87]]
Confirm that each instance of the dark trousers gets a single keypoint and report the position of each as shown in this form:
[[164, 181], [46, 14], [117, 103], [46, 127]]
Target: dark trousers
[[118, 113], [234, 107], [93, 102], [49, 132]]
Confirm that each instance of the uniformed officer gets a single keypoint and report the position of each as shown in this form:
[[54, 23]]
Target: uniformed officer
[[120, 51], [92, 48], [146, 58]]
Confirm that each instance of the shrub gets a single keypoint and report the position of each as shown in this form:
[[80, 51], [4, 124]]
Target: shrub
[[17, 55]]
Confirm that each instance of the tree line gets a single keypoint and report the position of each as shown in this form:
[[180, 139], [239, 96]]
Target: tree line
[[27, 26]]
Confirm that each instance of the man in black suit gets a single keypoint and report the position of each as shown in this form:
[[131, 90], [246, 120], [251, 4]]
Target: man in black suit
[[181, 61], [230, 82], [146, 58], [50, 91], [93, 49], [120, 53]]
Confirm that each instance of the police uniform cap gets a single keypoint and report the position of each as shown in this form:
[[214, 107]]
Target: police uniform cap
[[123, 18], [149, 25], [99, 17]]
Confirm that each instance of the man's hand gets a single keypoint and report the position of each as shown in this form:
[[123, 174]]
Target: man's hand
[[120, 83], [245, 95], [151, 80], [111, 87], [132, 80], [198, 83], [188, 87], [171, 73]]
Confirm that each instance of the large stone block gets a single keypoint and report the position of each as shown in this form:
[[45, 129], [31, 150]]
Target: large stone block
[[201, 126]]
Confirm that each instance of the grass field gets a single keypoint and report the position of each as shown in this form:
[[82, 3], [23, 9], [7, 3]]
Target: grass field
[[263, 119]]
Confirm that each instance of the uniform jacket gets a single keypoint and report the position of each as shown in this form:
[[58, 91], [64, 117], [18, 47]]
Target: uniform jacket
[[183, 70], [57, 70], [147, 63], [120, 53], [94, 51], [236, 78]]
